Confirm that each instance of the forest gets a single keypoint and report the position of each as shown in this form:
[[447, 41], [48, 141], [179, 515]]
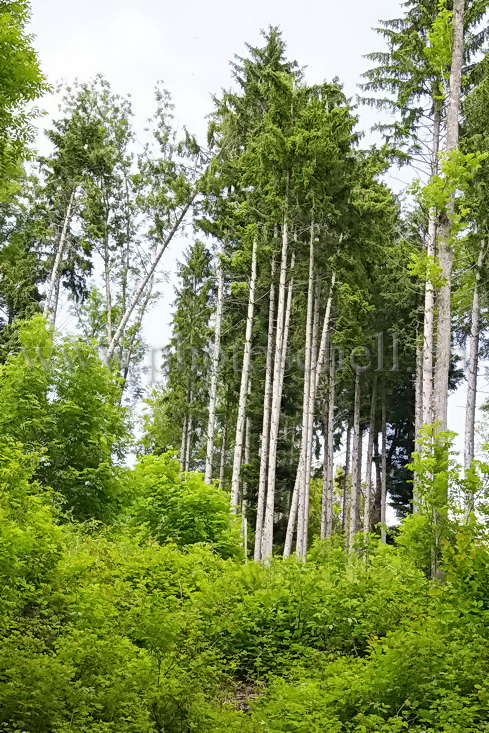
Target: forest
[[280, 533]]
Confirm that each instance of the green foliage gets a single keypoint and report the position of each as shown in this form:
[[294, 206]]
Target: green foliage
[[439, 48], [61, 400], [181, 508], [269, 617], [21, 83], [457, 170], [30, 543]]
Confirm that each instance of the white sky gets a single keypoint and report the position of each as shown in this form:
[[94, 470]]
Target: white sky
[[188, 45]]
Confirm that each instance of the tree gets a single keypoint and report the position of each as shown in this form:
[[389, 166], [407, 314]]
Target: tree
[[60, 400], [178, 407], [22, 83]]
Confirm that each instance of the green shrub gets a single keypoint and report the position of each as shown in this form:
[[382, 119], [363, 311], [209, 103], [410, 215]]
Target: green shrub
[[182, 508]]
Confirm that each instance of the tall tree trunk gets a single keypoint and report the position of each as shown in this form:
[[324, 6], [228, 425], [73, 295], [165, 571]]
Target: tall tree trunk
[[183, 444], [378, 482], [470, 408], [222, 466], [445, 256], [308, 367], [310, 422], [188, 450], [429, 303], [265, 432], [211, 424], [285, 341], [328, 469], [143, 284], [316, 372], [55, 272], [346, 485], [107, 263], [280, 350], [243, 390], [383, 495], [356, 464], [367, 518], [418, 415], [244, 502]]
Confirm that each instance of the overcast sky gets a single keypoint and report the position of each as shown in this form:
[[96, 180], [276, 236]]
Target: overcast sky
[[188, 45]]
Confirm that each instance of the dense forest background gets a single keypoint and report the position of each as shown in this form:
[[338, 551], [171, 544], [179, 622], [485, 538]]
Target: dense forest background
[[223, 559]]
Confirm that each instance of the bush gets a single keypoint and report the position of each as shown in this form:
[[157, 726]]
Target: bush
[[182, 508]]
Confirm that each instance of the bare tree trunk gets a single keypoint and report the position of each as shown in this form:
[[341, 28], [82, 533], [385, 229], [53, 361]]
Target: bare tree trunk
[[294, 506], [211, 424], [222, 466], [378, 483], [243, 391], [308, 367], [314, 378], [383, 495], [280, 351], [470, 408], [244, 502], [188, 451], [418, 419], [108, 294], [183, 444], [445, 256], [144, 282], [316, 373], [356, 465], [367, 518], [54, 279], [346, 486], [328, 471], [285, 341], [265, 432], [429, 304]]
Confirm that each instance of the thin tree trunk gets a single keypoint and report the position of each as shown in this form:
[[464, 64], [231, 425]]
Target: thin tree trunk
[[55, 300], [378, 482], [418, 418], [328, 476], [308, 367], [310, 426], [243, 391], [429, 304], [244, 503], [317, 371], [346, 486], [222, 466], [367, 518], [142, 285], [470, 408], [183, 444], [211, 424], [445, 256], [108, 294], [356, 465], [59, 258], [383, 495], [280, 349], [188, 451], [265, 432], [285, 340]]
